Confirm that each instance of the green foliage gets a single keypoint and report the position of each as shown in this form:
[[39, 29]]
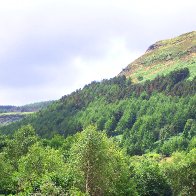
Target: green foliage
[[39, 170], [148, 177], [158, 121], [190, 129], [49, 188], [176, 143], [56, 142], [100, 103], [22, 140], [148, 116], [163, 57], [98, 166], [157, 116], [192, 143], [6, 172], [3, 142], [90, 163], [140, 78], [180, 171]]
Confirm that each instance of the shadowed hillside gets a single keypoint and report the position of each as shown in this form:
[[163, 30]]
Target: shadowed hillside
[[9, 114]]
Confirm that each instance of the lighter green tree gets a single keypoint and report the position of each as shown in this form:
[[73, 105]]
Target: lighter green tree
[[39, 169], [180, 171], [23, 139], [98, 166]]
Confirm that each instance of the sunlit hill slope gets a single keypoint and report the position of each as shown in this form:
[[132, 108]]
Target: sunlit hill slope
[[164, 57]]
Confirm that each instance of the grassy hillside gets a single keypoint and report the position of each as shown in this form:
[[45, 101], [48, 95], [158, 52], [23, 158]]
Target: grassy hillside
[[9, 114], [164, 57]]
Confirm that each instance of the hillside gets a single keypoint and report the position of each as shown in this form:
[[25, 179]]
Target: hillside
[[143, 116], [7, 118], [114, 137], [34, 107], [164, 57], [9, 114]]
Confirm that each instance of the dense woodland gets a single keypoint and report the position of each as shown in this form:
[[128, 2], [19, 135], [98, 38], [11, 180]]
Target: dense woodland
[[112, 137], [89, 163]]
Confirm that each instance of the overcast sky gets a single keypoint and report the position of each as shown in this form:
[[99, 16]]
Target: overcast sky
[[49, 48]]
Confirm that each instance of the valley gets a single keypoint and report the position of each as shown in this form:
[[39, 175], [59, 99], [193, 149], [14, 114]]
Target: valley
[[9, 114], [133, 134], [6, 118]]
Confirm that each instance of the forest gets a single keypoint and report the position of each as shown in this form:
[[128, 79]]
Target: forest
[[89, 163], [112, 137]]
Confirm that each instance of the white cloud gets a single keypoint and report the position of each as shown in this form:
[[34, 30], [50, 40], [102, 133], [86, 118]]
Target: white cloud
[[51, 47]]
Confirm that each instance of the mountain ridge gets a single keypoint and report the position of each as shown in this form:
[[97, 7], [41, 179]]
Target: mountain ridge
[[164, 56]]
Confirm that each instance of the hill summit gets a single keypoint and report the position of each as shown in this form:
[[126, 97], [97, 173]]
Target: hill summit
[[163, 57]]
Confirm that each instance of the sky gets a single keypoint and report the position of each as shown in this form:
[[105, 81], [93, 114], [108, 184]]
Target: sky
[[49, 48]]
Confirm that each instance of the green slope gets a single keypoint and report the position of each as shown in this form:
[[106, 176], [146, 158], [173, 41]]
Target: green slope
[[164, 57], [9, 114], [141, 115], [154, 118], [7, 118], [145, 116], [34, 107]]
